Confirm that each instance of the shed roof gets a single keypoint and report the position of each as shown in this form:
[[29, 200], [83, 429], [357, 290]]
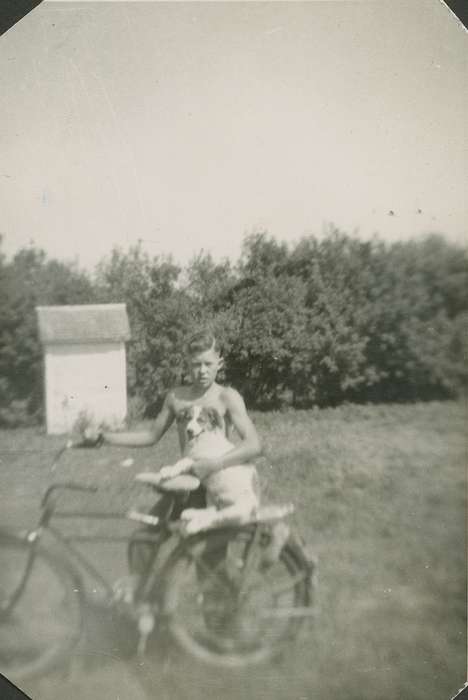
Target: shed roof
[[90, 323]]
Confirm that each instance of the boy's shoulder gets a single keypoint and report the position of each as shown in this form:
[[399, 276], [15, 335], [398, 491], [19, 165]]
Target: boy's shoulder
[[176, 395], [183, 393], [226, 394], [229, 392], [231, 398]]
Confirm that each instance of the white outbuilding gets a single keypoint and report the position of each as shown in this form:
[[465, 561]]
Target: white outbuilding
[[84, 363]]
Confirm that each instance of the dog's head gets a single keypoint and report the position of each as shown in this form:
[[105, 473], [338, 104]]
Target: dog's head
[[199, 419]]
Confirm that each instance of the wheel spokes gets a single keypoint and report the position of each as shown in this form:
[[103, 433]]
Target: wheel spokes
[[285, 584]]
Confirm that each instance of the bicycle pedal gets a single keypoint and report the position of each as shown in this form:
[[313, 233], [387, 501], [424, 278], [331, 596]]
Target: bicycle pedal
[[146, 622], [141, 647]]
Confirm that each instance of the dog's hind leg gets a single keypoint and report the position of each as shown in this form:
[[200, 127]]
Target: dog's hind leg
[[198, 519]]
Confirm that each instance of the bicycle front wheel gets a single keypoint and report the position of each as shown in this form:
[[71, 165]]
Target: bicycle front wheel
[[40, 608], [225, 616]]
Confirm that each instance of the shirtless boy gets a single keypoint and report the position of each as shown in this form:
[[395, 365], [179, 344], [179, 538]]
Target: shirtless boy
[[204, 359]]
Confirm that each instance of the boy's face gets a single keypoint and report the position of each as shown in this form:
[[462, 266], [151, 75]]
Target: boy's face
[[204, 367]]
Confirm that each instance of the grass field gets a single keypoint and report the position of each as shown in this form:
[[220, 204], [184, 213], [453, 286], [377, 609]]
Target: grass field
[[380, 497]]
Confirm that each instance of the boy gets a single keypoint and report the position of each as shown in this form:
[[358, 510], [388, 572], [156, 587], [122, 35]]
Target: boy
[[205, 361]]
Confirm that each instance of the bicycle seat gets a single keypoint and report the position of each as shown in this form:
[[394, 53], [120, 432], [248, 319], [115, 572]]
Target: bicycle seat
[[183, 482]]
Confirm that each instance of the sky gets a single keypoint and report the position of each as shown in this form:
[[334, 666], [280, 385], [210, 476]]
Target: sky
[[187, 125]]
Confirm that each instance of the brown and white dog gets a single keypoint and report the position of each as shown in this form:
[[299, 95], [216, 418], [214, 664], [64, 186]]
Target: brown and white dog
[[232, 492]]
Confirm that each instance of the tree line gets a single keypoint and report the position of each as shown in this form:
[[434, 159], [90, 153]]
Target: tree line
[[315, 323]]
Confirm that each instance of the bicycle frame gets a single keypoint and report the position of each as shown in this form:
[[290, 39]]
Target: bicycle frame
[[66, 541], [159, 581]]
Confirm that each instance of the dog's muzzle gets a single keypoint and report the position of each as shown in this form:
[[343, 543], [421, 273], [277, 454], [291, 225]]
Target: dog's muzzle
[[193, 431]]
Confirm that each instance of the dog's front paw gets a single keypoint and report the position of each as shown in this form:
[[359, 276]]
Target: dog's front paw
[[152, 478], [183, 465], [167, 473]]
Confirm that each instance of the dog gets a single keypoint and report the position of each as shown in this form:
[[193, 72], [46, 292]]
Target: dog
[[232, 493]]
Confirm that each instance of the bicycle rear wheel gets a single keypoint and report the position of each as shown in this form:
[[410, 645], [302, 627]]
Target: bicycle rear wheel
[[40, 609], [226, 617]]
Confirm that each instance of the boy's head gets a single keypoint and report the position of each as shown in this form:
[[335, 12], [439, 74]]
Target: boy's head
[[204, 358], [201, 341]]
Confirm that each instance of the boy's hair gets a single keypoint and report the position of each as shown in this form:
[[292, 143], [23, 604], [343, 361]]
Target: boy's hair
[[203, 340]]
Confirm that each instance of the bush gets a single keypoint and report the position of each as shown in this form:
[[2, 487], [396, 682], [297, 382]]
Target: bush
[[341, 319], [317, 323], [28, 280], [18, 414], [160, 313]]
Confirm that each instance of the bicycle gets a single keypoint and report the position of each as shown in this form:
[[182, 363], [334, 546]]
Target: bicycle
[[221, 594]]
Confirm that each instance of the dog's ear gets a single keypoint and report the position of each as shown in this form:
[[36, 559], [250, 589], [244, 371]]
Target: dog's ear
[[183, 415], [214, 417]]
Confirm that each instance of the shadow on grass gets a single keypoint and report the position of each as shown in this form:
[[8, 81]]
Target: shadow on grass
[[104, 665]]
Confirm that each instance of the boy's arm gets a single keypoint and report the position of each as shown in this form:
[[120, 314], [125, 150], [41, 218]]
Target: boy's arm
[[183, 466], [248, 449], [144, 438]]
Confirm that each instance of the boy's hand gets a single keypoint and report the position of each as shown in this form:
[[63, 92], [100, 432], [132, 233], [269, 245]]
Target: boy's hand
[[202, 468]]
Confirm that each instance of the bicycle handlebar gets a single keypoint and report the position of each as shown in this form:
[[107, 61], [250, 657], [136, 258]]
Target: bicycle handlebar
[[60, 452], [85, 442], [70, 485]]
